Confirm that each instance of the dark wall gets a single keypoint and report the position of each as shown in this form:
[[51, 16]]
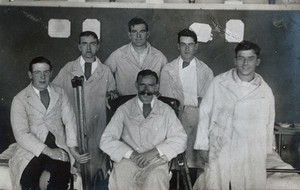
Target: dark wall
[[24, 35]]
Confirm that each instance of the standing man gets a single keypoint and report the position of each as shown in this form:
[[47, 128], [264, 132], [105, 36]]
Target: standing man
[[128, 60], [44, 126], [187, 79], [142, 136], [99, 83], [236, 126]]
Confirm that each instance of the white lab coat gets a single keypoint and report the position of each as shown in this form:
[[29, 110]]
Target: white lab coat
[[238, 132]]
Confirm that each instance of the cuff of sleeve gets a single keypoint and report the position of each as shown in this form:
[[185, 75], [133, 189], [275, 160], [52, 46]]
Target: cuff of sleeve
[[200, 146], [128, 154], [160, 152], [39, 149]]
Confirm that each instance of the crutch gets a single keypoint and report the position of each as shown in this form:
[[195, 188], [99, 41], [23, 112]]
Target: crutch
[[77, 84]]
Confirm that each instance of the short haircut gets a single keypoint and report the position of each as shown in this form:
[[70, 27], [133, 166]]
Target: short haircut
[[86, 34], [188, 33], [247, 45], [39, 59], [147, 72], [136, 21]]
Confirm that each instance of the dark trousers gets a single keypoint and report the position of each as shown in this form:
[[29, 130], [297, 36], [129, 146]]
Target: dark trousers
[[59, 171]]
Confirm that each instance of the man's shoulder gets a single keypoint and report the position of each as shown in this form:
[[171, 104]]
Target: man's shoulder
[[121, 50], [22, 93], [171, 64], [70, 64], [155, 51]]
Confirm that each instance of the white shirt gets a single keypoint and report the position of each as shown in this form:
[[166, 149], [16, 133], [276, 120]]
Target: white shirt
[[94, 65], [188, 78], [38, 92], [128, 154], [139, 57], [244, 86]]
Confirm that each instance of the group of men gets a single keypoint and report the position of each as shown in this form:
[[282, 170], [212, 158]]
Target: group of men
[[225, 122]]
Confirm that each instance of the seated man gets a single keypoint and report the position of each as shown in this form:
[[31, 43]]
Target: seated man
[[44, 127], [142, 136]]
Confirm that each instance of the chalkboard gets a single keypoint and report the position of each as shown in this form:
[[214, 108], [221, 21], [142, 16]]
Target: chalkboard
[[24, 35]]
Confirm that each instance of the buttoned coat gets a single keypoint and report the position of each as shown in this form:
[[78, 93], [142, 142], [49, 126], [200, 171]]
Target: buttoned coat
[[31, 123], [171, 86], [125, 67], [238, 132], [95, 99]]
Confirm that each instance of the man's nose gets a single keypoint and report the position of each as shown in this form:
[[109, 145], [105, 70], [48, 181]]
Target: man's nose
[[42, 75], [187, 48]]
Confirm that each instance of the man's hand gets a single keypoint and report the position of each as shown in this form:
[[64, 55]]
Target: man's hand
[[203, 155], [80, 158], [56, 154], [143, 159], [113, 94]]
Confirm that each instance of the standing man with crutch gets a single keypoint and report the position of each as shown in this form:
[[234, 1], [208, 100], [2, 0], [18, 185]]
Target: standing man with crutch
[[98, 85]]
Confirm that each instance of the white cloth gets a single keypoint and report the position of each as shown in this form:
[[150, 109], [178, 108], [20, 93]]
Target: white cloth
[[125, 67], [238, 132], [188, 79], [140, 57], [171, 86], [129, 130], [31, 123], [95, 100], [94, 65]]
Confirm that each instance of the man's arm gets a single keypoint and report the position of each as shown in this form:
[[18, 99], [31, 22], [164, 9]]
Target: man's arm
[[202, 139], [110, 141], [20, 127], [176, 139]]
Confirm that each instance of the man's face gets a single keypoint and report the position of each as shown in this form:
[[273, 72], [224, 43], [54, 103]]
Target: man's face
[[147, 87], [187, 48], [40, 75], [138, 35], [246, 61], [88, 47]]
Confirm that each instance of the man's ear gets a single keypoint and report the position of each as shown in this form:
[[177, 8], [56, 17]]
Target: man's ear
[[136, 85], [196, 46], [29, 74], [79, 47], [148, 34], [129, 36], [258, 62]]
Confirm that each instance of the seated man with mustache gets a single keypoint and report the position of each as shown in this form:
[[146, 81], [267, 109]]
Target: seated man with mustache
[[142, 136]]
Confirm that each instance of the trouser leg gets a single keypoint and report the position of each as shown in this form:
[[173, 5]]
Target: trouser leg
[[31, 175], [59, 174]]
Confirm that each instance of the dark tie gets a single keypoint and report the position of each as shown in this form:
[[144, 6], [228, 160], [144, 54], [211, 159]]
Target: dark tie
[[146, 109], [185, 64], [87, 70], [45, 98]]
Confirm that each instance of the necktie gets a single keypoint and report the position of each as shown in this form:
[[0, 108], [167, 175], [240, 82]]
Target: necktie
[[45, 98], [146, 109], [87, 70], [185, 64]]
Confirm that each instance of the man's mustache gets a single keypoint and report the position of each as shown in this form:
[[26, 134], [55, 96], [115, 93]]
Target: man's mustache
[[146, 93]]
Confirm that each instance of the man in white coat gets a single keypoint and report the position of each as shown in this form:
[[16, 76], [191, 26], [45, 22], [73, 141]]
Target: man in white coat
[[44, 126], [235, 131], [98, 85], [128, 60], [142, 137], [187, 78]]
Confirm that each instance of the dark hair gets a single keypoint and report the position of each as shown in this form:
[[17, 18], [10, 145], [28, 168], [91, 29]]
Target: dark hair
[[147, 72], [188, 33], [247, 45], [88, 33], [39, 59], [136, 21]]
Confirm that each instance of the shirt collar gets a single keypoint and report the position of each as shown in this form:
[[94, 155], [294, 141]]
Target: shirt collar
[[140, 103], [37, 91], [82, 61], [192, 62], [254, 81], [144, 52]]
